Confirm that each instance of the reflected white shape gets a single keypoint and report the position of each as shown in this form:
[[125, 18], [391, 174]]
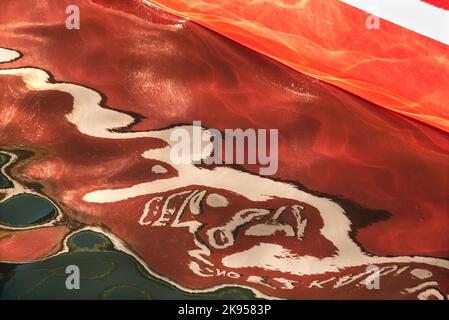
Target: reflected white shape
[[421, 273], [429, 294], [158, 169], [216, 200], [7, 55]]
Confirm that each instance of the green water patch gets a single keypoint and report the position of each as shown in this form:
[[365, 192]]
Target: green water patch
[[105, 273], [25, 210], [4, 181]]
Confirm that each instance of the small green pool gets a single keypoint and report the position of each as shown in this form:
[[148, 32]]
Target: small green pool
[[25, 210]]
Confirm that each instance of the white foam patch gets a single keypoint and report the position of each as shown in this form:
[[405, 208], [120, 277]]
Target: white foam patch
[[259, 230], [421, 273], [430, 294], [158, 169], [216, 200], [7, 55]]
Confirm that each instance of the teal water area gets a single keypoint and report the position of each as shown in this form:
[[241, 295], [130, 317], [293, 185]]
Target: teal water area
[[25, 210], [105, 273]]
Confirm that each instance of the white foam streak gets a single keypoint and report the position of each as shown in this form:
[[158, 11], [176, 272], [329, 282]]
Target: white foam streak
[[7, 55]]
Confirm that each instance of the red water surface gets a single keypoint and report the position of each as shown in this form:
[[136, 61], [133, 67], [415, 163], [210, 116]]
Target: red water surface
[[443, 4], [30, 245], [393, 67], [166, 71]]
